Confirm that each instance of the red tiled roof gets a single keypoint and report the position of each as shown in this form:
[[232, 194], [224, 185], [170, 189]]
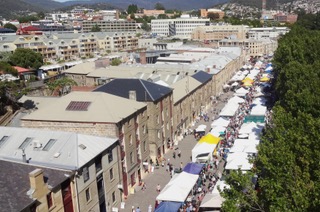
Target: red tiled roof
[[21, 69], [31, 28]]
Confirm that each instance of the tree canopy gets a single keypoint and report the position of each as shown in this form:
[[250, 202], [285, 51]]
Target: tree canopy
[[10, 26], [288, 158], [26, 58], [159, 6], [132, 8], [96, 28]]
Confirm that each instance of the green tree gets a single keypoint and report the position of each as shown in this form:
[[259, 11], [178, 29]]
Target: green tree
[[159, 6], [10, 26], [7, 68], [145, 26], [60, 83], [26, 58], [213, 16], [96, 28], [27, 19], [132, 16], [41, 15], [115, 62], [132, 8], [5, 56], [163, 16]]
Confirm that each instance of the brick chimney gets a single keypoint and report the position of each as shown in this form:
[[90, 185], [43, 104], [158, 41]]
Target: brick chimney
[[143, 58], [37, 184], [133, 95]]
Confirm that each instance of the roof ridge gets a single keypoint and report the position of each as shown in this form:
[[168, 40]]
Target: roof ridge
[[146, 89]]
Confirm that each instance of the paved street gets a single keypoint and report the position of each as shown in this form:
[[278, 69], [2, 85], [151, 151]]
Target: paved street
[[145, 198]]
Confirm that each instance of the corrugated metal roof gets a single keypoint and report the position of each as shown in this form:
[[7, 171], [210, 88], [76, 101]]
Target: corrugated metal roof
[[64, 153], [103, 108]]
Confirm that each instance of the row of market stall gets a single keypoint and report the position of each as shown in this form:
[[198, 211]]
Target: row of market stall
[[240, 124], [235, 135]]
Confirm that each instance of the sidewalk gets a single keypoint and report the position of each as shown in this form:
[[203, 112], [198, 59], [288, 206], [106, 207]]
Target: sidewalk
[[145, 198]]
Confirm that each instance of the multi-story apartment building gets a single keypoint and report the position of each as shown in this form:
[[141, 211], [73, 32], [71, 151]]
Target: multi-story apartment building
[[116, 41], [101, 114], [159, 109], [219, 32], [71, 46], [92, 164], [109, 26], [267, 32], [251, 46], [181, 27], [204, 12]]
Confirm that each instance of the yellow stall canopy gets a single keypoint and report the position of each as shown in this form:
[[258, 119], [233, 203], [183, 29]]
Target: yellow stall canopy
[[264, 79], [210, 139], [247, 80]]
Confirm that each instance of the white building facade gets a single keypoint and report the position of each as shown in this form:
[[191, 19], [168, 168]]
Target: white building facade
[[267, 32], [180, 28]]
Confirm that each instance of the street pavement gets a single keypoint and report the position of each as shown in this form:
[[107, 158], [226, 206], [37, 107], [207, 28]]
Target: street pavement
[[143, 199]]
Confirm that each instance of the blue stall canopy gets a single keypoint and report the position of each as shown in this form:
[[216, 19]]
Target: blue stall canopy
[[193, 168], [168, 207]]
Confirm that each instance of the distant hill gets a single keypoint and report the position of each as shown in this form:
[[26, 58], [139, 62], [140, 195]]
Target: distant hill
[[149, 4], [10, 8], [45, 4], [258, 3]]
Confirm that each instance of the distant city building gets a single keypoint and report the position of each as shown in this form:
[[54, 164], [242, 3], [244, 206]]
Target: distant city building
[[286, 18], [251, 46], [181, 27], [267, 32], [81, 10], [218, 32], [109, 26], [204, 12]]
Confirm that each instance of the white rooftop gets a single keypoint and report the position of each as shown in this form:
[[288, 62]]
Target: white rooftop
[[64, 150]]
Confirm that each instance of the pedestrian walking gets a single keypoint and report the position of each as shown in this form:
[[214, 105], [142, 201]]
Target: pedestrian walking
[[144, 186], [132, 209], [150, 208], [174, 155], [179, 153], [138, 209], [158, 188]]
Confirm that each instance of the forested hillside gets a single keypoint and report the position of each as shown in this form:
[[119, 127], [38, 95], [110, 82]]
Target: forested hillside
[[287, 164], [9, 8], [258, 3]]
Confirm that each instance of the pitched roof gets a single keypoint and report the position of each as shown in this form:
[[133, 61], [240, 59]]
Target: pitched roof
[[183, 87], [13, 195], [53, 149], [103, 108], [21, 69], [202, 76], [145, 90]]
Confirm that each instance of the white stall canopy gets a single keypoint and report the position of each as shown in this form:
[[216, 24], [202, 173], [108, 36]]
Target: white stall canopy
[[178, 188]]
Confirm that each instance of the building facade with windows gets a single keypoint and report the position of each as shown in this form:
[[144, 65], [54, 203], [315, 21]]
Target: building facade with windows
[[181, 27], [101, 114], [159, 110], [109, 25], [93, 163], [219, 32], [261, 33]]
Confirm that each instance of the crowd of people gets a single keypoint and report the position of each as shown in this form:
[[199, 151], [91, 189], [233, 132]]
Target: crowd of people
[[210, 173]]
